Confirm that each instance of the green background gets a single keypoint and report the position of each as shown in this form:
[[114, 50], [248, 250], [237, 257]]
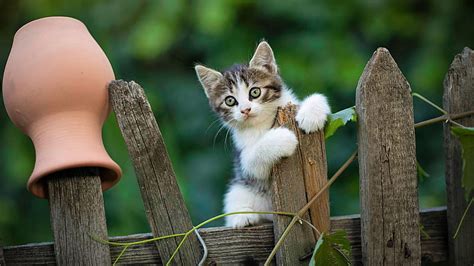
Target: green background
[[320, 46]]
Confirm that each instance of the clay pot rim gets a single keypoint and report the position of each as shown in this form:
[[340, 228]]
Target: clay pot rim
[[110, 173], [35, 21]]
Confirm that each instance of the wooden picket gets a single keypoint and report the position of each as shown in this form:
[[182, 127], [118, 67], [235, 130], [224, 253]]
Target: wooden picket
[[458, 98], [387, 165]]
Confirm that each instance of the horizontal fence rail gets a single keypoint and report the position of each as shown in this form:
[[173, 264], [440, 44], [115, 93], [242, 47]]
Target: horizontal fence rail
[[251, 244]]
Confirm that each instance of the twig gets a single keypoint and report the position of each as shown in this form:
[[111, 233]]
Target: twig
[[429, 102], [312, 226], [328, 184], [136, 242], [120, 255], [447, 117], [462, 218], [178, 247], [305, 208]]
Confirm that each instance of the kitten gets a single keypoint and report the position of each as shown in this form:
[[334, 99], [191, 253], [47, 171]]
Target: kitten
[[246, 98]]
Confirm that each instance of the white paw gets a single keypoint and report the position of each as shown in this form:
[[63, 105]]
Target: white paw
[[242, 220], [313, 113], [279, 142]]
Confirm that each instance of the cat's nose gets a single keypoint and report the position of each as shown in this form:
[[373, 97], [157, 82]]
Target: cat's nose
[[245, 111]]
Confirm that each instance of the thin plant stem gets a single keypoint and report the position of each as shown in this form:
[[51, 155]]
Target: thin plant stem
[[462, 218], [305, 208], [429, 102], [216, 218], [328, 184], [443, 118], [312, 226], [178, 247], [120, 255], [137, 242], [455, 123], [126, 245], [280, 241]]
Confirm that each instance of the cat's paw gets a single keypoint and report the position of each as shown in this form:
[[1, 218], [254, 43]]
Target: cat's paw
[[313, 113], [242, 220], [280, 142]]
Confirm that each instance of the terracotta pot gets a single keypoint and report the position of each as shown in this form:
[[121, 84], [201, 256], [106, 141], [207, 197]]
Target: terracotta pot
[[55, 91]]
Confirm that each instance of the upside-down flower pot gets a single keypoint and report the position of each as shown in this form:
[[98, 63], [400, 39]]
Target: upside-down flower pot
[[55, 91]]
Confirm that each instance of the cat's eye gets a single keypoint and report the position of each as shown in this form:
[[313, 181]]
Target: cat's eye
[[230, 101], [255, 92]]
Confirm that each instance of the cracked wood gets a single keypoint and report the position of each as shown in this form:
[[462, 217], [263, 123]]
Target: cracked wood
[[458, 97], [77, 213], [164, 204], [295, 180], [387, 165]]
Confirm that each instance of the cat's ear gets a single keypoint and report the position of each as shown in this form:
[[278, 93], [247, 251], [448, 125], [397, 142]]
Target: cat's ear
[[263, 58], [208, 78]]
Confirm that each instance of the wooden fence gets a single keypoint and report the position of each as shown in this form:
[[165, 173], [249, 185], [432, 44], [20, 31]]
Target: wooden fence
[[387, 232]]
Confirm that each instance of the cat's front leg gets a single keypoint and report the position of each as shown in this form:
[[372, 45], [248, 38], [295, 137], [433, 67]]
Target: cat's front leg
[[277, 143], [313, 113]]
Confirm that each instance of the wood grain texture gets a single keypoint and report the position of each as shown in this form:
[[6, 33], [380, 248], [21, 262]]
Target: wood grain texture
[[387, 165], [77, 213], [458, 97], [164, 205], [2, 260], [294, 181], [247, 245]]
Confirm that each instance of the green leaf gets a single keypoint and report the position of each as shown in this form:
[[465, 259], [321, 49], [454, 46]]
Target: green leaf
[[466, 138], [422, 174], [338, 120], [332, 249]]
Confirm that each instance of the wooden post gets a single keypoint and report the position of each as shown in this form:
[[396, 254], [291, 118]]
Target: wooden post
[[387, 165], [164, 205], [2, 259], [458, 97], [77, 215], [294, 181]]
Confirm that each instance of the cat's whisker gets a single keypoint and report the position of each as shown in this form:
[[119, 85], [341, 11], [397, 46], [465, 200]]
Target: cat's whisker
[[225, 139], [215, 136], [213, 122]]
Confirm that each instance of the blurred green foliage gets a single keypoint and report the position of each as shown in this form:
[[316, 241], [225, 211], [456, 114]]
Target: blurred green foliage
[[320, 46]]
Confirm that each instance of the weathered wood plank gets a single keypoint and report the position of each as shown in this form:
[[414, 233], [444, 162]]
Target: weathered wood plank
[[294, 181], [2, 260], [458, 97], [387, 165], [252, 244], [77, 213], [164, 204]]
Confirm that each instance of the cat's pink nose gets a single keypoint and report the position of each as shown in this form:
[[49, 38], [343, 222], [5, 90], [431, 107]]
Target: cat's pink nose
[[245, 111]]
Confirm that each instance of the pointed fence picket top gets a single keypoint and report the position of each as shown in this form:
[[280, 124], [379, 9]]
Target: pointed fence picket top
[[458, 97], [164, 205], [387, 165]]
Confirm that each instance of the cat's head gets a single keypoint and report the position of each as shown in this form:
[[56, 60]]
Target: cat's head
[[244, 95]]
